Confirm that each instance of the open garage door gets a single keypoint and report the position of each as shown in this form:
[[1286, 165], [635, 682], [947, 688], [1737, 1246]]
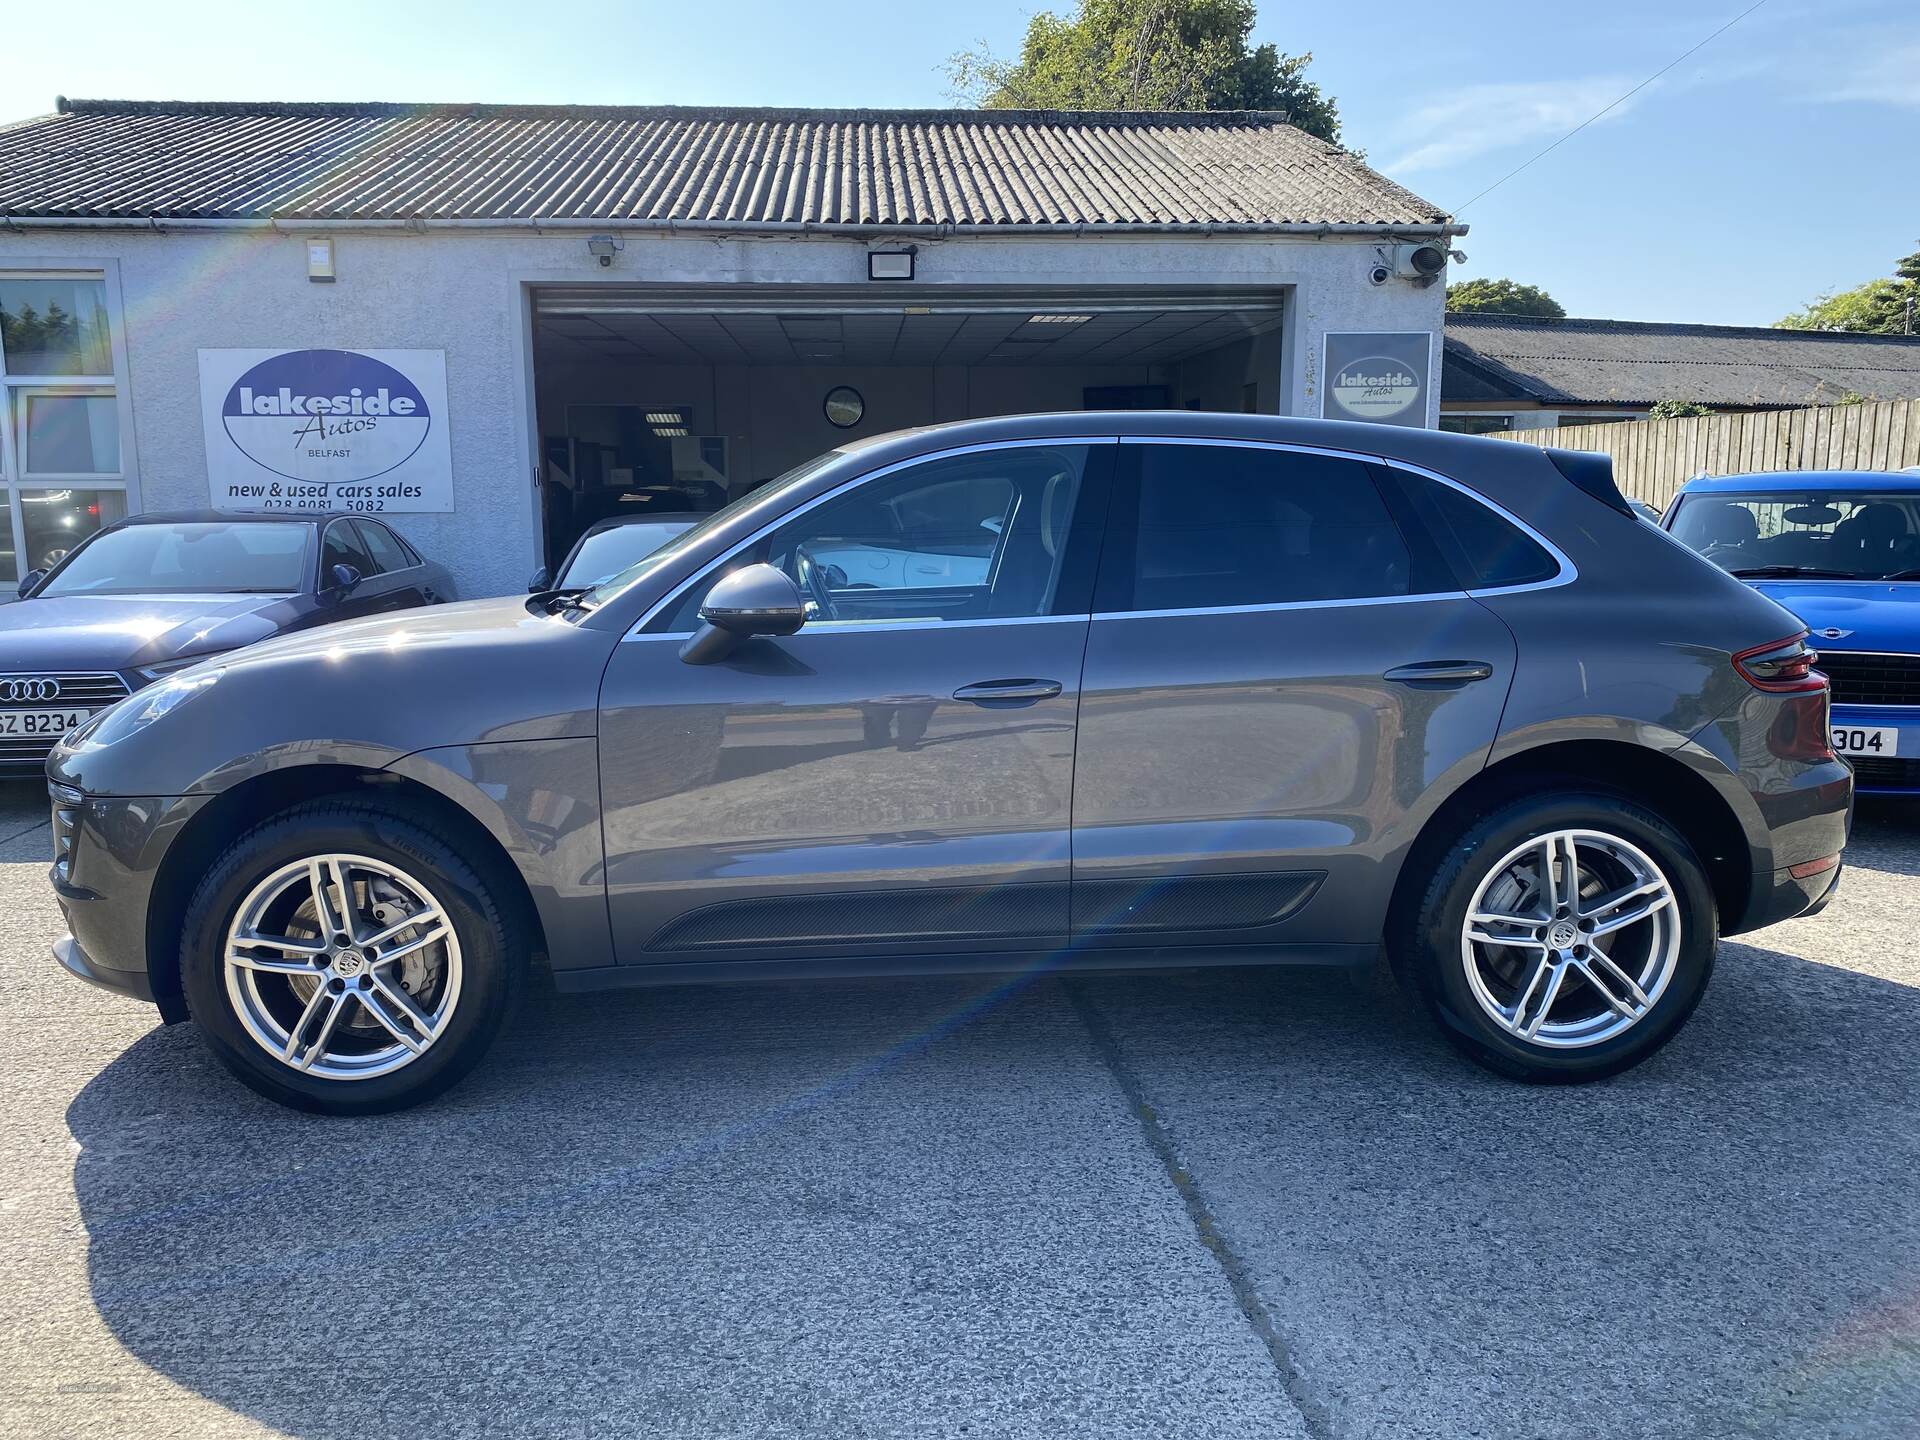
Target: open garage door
[[670, 400]]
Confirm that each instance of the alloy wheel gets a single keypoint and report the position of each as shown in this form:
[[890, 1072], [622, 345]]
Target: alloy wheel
[[1571, 939], [342, 966]]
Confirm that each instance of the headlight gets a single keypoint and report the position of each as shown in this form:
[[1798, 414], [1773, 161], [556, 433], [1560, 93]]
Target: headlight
[[168, 667], [140, 710]]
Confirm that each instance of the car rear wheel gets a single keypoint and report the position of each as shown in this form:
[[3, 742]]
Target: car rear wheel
[[1564, 936], [345, 958]]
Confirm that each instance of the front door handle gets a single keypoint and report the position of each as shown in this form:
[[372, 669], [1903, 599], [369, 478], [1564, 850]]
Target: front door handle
[[1004, 692], [1438, 673]]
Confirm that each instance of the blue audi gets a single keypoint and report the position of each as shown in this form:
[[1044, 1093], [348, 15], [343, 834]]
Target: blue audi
[[1841, 549]]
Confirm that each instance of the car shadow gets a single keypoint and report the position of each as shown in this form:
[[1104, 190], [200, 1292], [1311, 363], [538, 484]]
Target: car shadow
[[859, 1208]]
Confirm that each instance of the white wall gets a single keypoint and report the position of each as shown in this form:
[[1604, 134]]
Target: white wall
[[464, 291]]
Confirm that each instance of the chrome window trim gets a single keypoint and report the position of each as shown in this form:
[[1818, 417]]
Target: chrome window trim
[[1569, 572], [675, 596], [869, 627]]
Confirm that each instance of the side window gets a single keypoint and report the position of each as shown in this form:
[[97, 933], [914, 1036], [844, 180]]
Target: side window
[[386, 551], [996, 535], [1205, 526], [342, 547], [1483, 547]]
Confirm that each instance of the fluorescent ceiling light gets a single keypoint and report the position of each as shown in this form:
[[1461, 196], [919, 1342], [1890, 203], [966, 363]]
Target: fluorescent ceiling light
[[665, 417], [1059, 319]]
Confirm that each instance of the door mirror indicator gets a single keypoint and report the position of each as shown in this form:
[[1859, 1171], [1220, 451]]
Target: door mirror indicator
[[756, 600], [28, 581]]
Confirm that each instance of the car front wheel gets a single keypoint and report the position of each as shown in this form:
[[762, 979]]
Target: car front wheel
[[1564, 937], [343, 957]]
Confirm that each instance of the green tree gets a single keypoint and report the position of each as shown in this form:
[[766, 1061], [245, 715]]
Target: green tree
[[1675, 410], [1502, 297], [1879, 307], [1146, 55]]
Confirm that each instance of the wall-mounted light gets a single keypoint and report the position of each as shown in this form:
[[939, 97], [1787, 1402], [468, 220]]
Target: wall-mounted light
[[320, 261], [890, 264], [604, 247]]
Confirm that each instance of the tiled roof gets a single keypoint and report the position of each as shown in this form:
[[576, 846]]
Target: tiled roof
[[1630, 363], [745, 167]]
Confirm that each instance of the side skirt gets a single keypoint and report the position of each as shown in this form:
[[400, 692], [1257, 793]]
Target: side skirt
[[1006, 962]]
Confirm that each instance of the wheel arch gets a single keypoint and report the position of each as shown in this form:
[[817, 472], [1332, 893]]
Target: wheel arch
[[240, 807], [1662, 781]]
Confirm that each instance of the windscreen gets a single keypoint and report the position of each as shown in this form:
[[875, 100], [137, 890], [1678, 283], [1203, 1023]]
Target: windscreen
[[189, 558], [1819, 533], [686, 540], [607, 552]]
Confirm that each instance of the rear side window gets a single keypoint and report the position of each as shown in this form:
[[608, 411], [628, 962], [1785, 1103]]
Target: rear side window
[[1199, 527], [1485, 549], [386, 551]]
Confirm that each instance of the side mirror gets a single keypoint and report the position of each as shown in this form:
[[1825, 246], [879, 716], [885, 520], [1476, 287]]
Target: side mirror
[[345, 577], [756, 600], [28, 581], [541, 579]]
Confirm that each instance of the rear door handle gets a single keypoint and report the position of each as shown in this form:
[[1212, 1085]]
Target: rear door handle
[[1440, 672], [992, 692]]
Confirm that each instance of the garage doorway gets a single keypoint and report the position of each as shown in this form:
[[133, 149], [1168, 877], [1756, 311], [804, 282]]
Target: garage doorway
[[670, 400]]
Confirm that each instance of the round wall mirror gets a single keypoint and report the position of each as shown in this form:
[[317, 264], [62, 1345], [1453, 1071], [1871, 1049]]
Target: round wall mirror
[[844, 407]]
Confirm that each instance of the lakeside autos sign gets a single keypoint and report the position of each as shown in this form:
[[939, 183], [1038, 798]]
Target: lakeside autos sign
[[1382, 378], [326, 430]]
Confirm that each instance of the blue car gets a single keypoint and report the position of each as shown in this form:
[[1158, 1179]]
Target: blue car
[[1841, 549], [156, 593]]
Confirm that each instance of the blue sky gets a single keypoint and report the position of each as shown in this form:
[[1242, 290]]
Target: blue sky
[[1777, 163]]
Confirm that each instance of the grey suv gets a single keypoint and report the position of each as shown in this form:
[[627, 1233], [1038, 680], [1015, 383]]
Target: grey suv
[[1063, 691]]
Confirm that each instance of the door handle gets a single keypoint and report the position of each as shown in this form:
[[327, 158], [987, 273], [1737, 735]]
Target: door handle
[[999, 692], [1440, 672]]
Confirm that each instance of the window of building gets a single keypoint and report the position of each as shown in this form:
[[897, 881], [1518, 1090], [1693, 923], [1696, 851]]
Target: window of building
[[1459, 424], [63, 465]]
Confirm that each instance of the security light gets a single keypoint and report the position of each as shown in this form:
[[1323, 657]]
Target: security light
[[604, 247], [890, 264]]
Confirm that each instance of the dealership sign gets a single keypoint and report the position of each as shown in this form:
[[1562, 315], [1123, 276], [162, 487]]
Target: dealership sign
[[1378, 377], [326, 429]]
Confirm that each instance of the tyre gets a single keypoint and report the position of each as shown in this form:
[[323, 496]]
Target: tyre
[[1563, 937], [344, 957]]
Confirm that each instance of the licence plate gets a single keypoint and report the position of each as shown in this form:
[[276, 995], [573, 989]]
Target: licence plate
[[42, 722], [1876, 742]]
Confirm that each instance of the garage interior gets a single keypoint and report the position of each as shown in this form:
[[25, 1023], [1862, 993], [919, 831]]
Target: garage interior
[[669, 400]]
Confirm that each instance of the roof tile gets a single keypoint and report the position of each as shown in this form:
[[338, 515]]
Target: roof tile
[[690, 164]]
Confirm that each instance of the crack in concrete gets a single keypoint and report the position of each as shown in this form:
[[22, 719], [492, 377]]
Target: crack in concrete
[[1314, 1416]]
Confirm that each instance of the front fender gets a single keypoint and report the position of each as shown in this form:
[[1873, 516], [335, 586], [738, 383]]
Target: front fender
[[539, 801]]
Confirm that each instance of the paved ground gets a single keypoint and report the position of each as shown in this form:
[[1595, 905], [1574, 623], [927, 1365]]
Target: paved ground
[[1237, 1203]]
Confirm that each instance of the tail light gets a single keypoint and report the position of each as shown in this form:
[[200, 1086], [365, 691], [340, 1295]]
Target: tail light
[[1782, 666], [1802, 730]]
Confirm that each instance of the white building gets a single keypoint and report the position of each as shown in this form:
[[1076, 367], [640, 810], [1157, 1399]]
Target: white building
[[591, 306]]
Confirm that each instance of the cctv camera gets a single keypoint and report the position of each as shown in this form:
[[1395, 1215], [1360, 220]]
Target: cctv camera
[[1379, 274], [603, 248]]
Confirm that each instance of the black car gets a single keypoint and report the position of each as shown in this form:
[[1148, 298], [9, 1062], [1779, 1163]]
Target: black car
[[157, 592], [610, 546]]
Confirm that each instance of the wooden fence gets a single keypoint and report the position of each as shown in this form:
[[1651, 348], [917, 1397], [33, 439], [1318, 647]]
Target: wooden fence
[[1652, 458]]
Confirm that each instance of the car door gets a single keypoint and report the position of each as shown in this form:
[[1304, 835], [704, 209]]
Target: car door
[[1278, 671], [403, 579], [342, 545], [895, 778]]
